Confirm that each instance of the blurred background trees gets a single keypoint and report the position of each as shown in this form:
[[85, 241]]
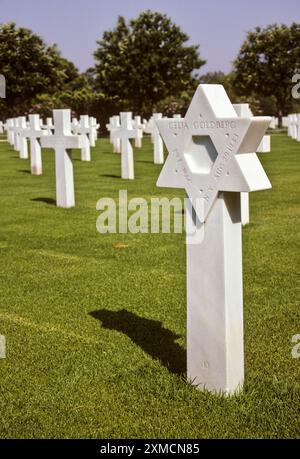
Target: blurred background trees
[[145, 61], [265, 66]]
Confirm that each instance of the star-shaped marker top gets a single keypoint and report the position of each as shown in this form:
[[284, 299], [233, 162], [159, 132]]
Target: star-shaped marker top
[[212, 149]]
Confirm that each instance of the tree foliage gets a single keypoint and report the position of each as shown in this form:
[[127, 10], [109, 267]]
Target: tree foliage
[[145, 61], [31, 68], [265, 65]]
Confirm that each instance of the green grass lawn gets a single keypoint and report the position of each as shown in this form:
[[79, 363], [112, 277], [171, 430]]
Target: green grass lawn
[[95, 324]]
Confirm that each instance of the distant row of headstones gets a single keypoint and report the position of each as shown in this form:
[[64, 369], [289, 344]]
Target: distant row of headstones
[[123, 127], [64, 134], [293, 124]]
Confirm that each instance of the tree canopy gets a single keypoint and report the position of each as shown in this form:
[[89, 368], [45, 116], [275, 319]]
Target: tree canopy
[[265, 66], [145, 61], [31, 68]]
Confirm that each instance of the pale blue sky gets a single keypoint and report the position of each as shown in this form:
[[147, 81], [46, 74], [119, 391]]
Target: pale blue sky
[[218, 26]]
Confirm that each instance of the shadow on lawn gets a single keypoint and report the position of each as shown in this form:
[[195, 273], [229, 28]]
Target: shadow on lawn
[[25, 171], [150, 335], [46, 200], [110, 176]]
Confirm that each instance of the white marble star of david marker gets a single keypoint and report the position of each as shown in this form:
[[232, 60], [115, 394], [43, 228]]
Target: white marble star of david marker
[[212, 150]]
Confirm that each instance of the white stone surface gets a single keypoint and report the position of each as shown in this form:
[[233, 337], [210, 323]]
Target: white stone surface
[[23, 148], [213, 169], [94, 128], [285, 121], [245, 209], [116, 141], [243, 110], [9, 130], [211, 156], [15, 134], [49, 126], [273, 123], [215, 355], [34, 133], [139, 126], [295, 126], [86, 131], [158, 150], [1, 127], [109, 127], [265, 145], [126, 132], [74, 123], [292, 125], [62, 141], [149, 126]]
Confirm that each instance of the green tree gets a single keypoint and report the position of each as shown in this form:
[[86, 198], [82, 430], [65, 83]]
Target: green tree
[[31, 68], [265, 65], [145, 61]]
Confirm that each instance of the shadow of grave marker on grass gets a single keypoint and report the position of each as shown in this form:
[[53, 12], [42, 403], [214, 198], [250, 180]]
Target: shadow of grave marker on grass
[[50, 201], [148, 334]]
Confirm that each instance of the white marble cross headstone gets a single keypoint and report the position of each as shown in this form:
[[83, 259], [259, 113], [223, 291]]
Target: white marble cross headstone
[[9, 130], [292, 125], [115, 128], [49, 126], [148, 129], [34, 133], [157, 140], [274, 122], [295, 126], [139, 126], [298, 127], [23, 148], [124, 133], [85, 130], [74, 124], [109, 127], [94, 127], [62, 141], [211, 156], [15, 133]]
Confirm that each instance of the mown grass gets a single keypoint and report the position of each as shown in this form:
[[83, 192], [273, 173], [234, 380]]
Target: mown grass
[[95, 324]]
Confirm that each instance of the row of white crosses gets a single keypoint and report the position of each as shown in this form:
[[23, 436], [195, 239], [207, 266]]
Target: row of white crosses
[[212, 156], [58, 136], [123, 128], [112, 126], [124, 132], [293, 125]]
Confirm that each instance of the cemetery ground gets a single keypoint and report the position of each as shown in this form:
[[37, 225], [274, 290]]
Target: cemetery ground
[[95, 324]]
